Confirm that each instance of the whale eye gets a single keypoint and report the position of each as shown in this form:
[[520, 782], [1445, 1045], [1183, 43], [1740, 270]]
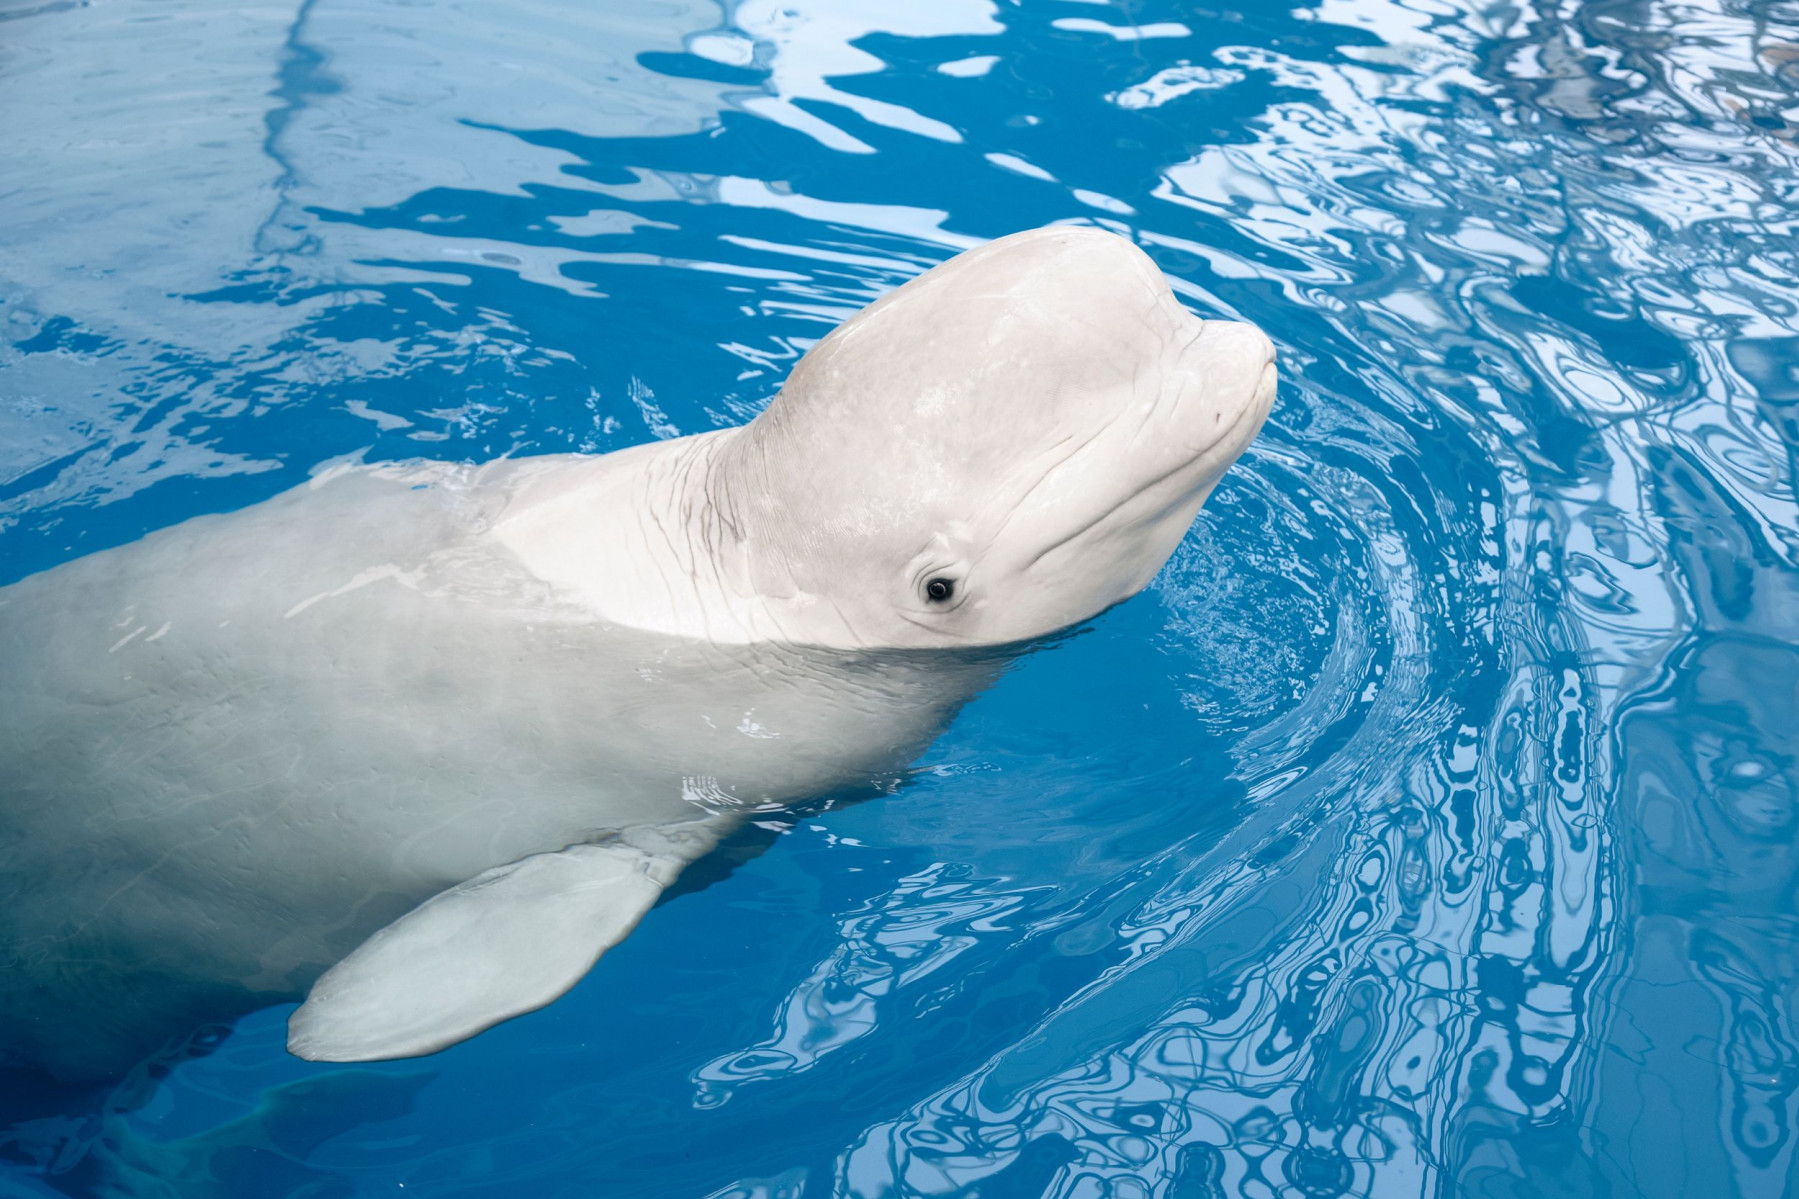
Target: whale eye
[[940, 589]]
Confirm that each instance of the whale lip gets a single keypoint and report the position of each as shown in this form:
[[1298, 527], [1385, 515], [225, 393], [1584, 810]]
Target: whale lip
[[1243, 431], [1195, 473]]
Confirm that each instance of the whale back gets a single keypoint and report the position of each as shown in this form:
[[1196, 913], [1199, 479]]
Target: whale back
[[238, 747]]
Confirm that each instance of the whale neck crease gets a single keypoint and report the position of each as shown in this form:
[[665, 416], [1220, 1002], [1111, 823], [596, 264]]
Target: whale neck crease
[[664, 537]]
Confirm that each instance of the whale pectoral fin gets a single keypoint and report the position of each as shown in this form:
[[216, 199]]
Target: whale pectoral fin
[[506, 942]]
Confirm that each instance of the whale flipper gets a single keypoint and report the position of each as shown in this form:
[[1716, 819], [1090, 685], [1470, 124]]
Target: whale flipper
[[505, 942]]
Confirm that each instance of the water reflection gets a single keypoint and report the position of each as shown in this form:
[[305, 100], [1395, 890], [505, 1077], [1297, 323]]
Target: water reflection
[[927, 922], [1427, 831]]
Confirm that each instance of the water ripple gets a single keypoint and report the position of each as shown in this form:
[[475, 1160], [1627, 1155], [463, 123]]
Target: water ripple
[[1428, 829]]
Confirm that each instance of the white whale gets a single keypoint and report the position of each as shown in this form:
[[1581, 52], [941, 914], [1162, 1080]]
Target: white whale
[[421, 742]]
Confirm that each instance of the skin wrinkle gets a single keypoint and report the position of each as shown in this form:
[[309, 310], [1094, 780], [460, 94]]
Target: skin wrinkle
[[698, 517], [687, 555], [655, 516], [1016, 506], [759, 446], [932, 626], [717, 479], [699, 547]]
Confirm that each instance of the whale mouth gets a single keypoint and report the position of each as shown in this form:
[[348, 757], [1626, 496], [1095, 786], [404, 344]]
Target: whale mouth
[[1156, 499], [1262, 402]]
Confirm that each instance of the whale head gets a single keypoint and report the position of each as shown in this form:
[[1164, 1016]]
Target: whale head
[[1002, 447]]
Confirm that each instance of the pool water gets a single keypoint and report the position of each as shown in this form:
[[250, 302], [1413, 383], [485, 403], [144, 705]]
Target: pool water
[[1427, 828]]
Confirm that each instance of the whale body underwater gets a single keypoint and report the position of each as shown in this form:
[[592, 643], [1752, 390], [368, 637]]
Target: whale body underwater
[[419, 742]]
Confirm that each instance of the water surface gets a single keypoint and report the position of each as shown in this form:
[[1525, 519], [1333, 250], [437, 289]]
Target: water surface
[[1427, 828]]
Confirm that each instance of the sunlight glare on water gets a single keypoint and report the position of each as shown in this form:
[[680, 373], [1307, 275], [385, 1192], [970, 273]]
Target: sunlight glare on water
[[1427, 828]]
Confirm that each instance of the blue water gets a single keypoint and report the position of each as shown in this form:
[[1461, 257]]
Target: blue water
[[1427, 828]]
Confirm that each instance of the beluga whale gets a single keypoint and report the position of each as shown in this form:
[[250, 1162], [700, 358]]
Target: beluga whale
[[416, 743]]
